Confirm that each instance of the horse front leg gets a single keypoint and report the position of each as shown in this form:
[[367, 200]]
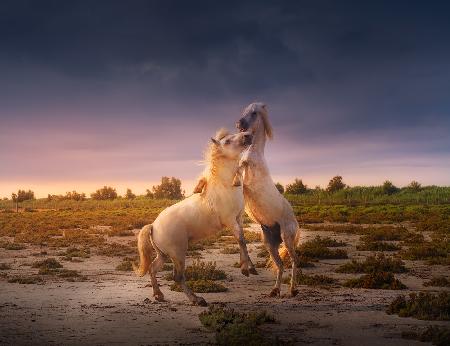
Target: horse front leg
[[247, 266]]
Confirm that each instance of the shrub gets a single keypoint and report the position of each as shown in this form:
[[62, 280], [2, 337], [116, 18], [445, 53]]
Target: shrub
[[437, 335], [201, 286], [125, 266], [385, 233], [372, 264], [438, 281], [376, 280], [129, 194], [230, 250], [235, 328], [4, 266], [432, 252], [314, 249], [280, 188], [377, 246], [311, 280], [335, 184], [26, 280], [414, 186], [201, 271], [423, 306], [389, 188], [106, 192], [296, 188], [252, 237], [49, 263], [170, 188]]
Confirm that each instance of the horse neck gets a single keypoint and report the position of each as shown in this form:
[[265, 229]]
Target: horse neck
[[223, 170], [259, 139]]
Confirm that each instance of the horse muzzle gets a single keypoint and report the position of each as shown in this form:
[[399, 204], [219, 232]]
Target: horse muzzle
[[242, 125]]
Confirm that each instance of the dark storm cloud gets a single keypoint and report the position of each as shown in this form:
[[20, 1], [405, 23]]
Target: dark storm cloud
[[335, 74]]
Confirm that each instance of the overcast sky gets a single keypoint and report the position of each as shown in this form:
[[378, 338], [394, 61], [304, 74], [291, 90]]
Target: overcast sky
[[123, 92]]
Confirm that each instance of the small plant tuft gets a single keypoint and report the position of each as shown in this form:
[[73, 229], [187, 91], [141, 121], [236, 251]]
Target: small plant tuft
[[376, 280], [423, 306]]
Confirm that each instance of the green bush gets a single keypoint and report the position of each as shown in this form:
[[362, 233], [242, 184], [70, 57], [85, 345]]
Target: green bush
[[372, 264], [423, 306], [376, 280]]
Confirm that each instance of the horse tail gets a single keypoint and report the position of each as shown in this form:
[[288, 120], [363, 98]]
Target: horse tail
[[145, 250], [283, 250]]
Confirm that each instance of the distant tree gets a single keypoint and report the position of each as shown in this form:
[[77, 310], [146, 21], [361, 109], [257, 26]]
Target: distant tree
[[75, 196], [148, 194], [129, 194], [414, 186], [296, 188], [389, 188], [169, 188], [106, 192], [335, 184], [21, 196], [279, 187]]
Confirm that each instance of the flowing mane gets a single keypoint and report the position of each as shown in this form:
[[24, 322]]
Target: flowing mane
[[212, 154]]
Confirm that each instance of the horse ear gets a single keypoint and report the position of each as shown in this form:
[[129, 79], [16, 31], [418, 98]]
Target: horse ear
[[215, 141]]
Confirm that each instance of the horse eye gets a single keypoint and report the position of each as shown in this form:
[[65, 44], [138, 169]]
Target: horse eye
[[253, 114], [227, 141]]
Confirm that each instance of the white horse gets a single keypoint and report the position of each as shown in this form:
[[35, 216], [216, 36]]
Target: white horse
[[263, 202], [199, 216]]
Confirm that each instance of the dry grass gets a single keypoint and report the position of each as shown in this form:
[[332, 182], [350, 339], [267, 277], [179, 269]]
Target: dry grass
[[4, 266], [115, 250], [377, 246], [228, 250], [252, 237], [312, 280], [437, 335], [26, 280], [201, 286], [434, 252], [125, 266]]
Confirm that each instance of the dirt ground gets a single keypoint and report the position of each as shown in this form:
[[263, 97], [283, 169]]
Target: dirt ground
[[112, 307]]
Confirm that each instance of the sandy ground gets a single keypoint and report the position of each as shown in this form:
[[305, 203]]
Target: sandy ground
[[112, 307]]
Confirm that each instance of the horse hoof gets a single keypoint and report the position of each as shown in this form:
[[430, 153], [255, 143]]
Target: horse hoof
[[245, 272], [294, 292], [274, 293], [201, 302], [253, 271], [159, 297]]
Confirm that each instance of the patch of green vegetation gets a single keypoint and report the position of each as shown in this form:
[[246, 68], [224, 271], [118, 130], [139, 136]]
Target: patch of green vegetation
[[376, 280], [423, 306], [201, 286], [327, 241], [438, 281], [314, 249], [372, 264], [121, 232], [229, 250], [201, 271], [26, 280], [311, 280], [4, 266], [385, 233], [73, 251], [434, 252], [344, 228], [377, 246], [11, 246], [115, 250], [49, 263], [235, 328], [167, 267], [437, 335]]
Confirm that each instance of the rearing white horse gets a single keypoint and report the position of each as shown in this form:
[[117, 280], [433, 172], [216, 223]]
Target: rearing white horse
[[263, 202]]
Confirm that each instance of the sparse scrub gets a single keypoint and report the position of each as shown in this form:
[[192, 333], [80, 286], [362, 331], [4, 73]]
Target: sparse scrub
[[229, 250], [201, 286], [438, 281], [26, 280], [72, 252], [433, 252], [385, 233], [314, 249], [376, 280], [125, 266], [4, 266], [49, 263], [423, 306], [327, 241], [437, 335], [235, 328], [377, 246], [312, 280], [372, 264], [252, 237], [116, 250]]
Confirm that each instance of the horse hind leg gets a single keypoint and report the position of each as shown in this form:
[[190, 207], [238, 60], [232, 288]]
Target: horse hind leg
[[156, 266], [272, 240], [289, 242], [179, 278]]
